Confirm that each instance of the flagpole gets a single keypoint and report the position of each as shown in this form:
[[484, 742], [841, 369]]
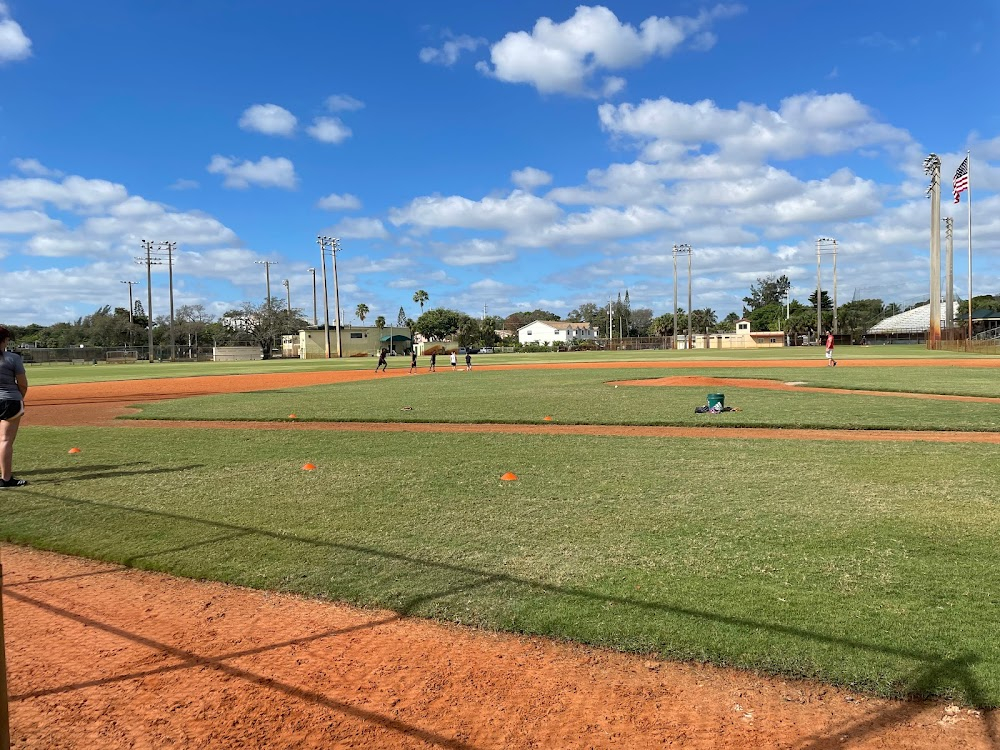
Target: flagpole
[[968, 156]]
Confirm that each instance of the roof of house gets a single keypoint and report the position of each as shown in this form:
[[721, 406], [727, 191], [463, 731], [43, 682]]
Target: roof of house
[[559, 325]]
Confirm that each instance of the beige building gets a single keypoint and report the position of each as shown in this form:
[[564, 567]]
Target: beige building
[[742, 338], [355, 341]]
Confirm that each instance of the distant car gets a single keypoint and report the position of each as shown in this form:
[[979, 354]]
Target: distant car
[[486, 350]]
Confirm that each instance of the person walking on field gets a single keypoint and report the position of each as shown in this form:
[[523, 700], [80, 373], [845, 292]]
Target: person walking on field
[[413, 361], [13, 386], [468, 361], [454, 362], [830, 361], [381, 361], [434, 357]]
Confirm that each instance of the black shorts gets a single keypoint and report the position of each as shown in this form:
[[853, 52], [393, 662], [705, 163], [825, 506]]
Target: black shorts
[[10, 409]]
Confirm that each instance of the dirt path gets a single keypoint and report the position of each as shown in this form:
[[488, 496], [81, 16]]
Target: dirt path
[[105, 657]]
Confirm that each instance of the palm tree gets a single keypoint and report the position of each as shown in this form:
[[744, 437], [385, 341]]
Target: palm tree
[[420, 296], [361, 311], [380, 324]]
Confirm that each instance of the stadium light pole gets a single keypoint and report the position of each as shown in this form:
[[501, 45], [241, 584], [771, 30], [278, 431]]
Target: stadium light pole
[[932, 168], [171, 246], [949, 273], [683, 249], [322, 242], [334, 249], [315, 317], [674, 344], [150, 261], [267, 275], [288, 296], [825, 246]]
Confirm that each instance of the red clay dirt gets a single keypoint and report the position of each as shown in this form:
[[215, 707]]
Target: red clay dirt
[[101, 656]]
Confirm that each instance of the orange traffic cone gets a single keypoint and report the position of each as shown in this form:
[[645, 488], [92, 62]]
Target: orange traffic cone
[[292, 416], [546, 419], [309, 467], [509, 476], [74, 450]]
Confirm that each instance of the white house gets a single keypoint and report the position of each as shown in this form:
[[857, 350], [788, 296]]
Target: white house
[[548, 332]]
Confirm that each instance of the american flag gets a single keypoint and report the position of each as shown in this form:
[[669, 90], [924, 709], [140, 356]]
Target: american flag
[[961, 181]]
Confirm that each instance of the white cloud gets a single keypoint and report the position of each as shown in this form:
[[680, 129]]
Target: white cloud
[[343, 103], [72, 194], [335, 202], [184, 184], [26, 222], [269, 119], [329, 130], [14, 44], [806, 124], [565, 57], [360, 228], [34, 168], [518, 211], [530, 178], [474, 252], [268, 172], [449, 52]]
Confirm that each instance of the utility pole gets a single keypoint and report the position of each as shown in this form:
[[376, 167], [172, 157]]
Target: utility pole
[[315, 317], [949, 273], [131, 304], [267, 275], [674, 344], [150, 260], [684, 249], [171, 246], [932, 168], [825, 246], [334, 249], [323, 242]]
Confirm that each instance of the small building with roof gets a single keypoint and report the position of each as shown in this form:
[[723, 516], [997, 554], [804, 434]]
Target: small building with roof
[[548, 332]]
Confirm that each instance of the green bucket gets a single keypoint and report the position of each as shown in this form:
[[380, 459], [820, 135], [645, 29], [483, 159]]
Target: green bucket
[[716, 398]]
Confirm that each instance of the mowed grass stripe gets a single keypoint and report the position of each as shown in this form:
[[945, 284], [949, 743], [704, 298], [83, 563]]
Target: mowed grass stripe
[[868, 565], [585, 397]]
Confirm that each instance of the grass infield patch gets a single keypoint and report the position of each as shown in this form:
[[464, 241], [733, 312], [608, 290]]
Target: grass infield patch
[[868, 565]]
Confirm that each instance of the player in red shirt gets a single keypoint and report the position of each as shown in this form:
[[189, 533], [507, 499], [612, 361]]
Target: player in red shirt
[[830, 361]]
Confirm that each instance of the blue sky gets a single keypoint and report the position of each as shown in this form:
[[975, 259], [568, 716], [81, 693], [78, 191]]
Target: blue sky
[[514, 155]]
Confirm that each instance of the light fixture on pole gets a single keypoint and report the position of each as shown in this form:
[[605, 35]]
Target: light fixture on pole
[[288, 297], [315, 316]]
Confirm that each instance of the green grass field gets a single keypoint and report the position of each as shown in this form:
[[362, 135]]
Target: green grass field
[[868, 565], [47, 374], [584, 397]]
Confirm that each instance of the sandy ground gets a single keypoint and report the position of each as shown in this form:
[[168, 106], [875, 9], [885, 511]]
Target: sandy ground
[[101, 656]]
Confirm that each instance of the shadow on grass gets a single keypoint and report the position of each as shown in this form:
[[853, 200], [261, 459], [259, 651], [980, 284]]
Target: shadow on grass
[[935, 669]]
